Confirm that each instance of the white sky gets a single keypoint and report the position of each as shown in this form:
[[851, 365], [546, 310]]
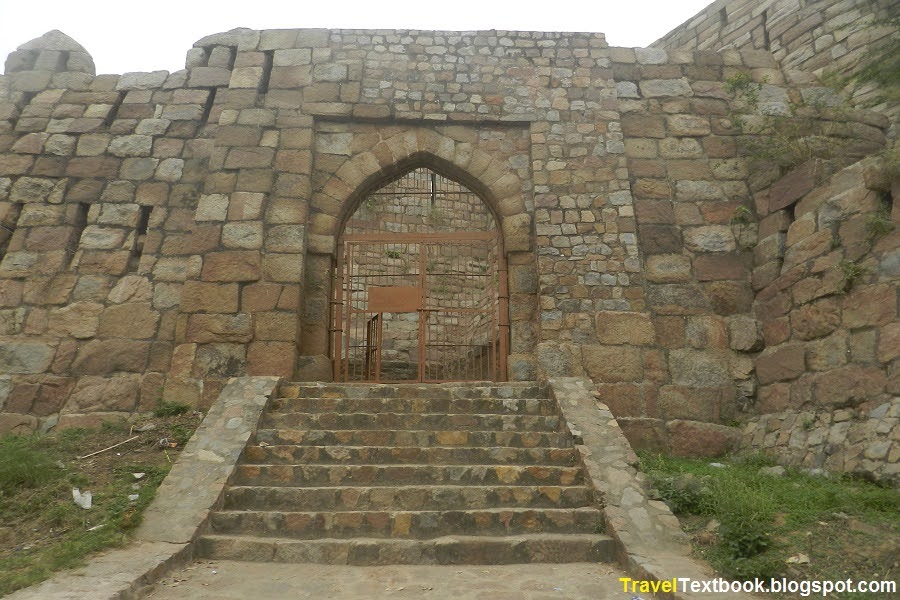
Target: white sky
[[130, 35]]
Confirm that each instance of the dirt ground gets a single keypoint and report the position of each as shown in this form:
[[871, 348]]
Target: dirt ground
[[228, 580]]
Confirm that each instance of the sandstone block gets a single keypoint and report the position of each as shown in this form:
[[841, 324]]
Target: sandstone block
[[848, 385], [633, 328], [745, 334], [889, 342], [101, 357], [277, 358], [781, 363], [713, 267], [79, 320], [668, 268], [817, 319], [201, 296], [693, 439], [95, 394], [246, 235], [658, 88], [709, 238], [208, 329], [609, 364], [706, 333], [131, 145], [696, 404], [220, 360], [134, 320], [25, 357], [276, 326], [796, 184], [871, 305], [231, 266], [286, 268], [687, 125], [698, 368]]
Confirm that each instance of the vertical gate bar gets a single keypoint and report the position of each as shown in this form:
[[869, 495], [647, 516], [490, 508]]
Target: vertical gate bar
[[348, 261], [378, 337], [503, 310], [423, 313], [337, 291]]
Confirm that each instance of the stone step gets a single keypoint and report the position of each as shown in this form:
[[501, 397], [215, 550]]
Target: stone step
[[450, 550], [524, 406], [433, 421], [422, 438], [413, 474], [443, 497], [436, 455], [410, 390], [400, 524]]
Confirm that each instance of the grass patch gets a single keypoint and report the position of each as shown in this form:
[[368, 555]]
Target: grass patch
[[848, 528], [41, 529]]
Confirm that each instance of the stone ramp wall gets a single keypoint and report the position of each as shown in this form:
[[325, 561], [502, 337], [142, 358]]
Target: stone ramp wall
[[686, 365], [817, 36], [829, 375]]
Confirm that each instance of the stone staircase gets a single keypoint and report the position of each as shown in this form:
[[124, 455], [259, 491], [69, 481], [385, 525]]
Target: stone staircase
[[409, 474]]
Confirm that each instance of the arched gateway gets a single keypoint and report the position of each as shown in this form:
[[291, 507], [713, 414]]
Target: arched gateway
[[420, 287]]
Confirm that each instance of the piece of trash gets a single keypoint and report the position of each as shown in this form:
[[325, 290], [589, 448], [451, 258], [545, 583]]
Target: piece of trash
[[263, 444], [798, 559], [166, 443], [96, 527], [138, 475], [214, 572], [82, 500], [109, 448], [718, 465], [147, 427], [557, 589], [133, 497]]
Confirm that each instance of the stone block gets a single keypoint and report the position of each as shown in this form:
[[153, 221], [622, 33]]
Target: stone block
[[79, 320], [660, 88], [709, 238], [286, 238], [695, 439], [889, 342], [668, 268], [659, 239], [285, 268], [17, 423], [745, 334], [102, 357], [699, 368], [97, 394], [796, 184], [706, 332], [696, 404], [220, 361], [870, 305], [275, 326], [645, 434], [781, 363], [610, 364], [633, 328], [713, 267], [25, 357], [231, 266], [276, 358], [677, 299], [816, 319], [687, 125], [131, 288], [848, 385], [208, 329], [247, 235], [135, 320], [201, 296]]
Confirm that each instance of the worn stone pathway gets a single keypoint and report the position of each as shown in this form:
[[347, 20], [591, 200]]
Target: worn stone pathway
[[231, 580]]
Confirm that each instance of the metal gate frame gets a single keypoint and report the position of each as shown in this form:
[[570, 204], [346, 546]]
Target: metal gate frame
[[342, 310]]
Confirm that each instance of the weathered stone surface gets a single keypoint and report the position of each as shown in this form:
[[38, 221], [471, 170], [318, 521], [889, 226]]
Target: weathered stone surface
[[709, 238], [79, 320], [612, 363], [698, 368], [206, 329], [93, 394], [848, 385], [781, 363], [870, 305], [745, 334], [101, 357], [668, 268], [136, 320], [278, 358], [220, 360], [816, 320], [693, 439], [200, 296], [615, 327], [231, 266], [25, 357]]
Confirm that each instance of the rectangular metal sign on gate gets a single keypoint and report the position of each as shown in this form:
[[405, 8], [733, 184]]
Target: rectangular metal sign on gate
[[427, 307]]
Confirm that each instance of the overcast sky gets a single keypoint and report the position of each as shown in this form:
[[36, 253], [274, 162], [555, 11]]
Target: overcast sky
[[129, 35]]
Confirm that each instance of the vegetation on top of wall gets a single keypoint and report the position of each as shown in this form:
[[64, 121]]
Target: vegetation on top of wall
[[880, 65]]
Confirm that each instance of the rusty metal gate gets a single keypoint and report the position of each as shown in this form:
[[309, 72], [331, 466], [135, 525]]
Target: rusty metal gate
[[426, 307]]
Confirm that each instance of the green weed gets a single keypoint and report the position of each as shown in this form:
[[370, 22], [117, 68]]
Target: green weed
[[165, 408]]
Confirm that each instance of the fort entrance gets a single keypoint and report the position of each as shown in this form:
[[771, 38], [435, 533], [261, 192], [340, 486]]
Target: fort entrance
[[420, 291]]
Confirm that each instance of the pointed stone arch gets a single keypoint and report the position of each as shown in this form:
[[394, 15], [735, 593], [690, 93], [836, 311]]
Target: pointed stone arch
[[357, 164]]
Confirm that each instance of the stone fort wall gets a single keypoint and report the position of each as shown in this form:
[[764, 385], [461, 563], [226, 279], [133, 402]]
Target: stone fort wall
[[166, 231]]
